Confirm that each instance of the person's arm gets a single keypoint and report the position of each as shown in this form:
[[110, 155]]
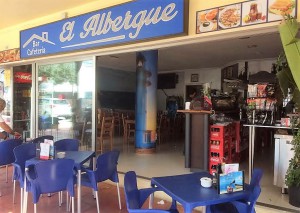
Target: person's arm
[[7, 129]]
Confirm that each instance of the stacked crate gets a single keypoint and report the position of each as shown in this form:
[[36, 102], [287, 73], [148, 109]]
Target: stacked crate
[[223, 145], [219, 145]]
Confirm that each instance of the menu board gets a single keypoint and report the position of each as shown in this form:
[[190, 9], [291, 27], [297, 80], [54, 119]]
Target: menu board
[[244, 14]]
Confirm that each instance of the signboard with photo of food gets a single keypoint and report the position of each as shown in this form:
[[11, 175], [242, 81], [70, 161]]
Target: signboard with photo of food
[[207, 20], [244, 14], [229, 16], [254, 12], [279, 8]]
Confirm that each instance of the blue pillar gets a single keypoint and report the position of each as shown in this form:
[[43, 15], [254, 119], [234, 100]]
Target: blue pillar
[[145, 110]]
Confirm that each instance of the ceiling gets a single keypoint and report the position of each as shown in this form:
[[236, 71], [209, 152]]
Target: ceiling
[[217, 53], [205, 54]]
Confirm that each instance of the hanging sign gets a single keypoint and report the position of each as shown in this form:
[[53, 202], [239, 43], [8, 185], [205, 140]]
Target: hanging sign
[[129, 22]]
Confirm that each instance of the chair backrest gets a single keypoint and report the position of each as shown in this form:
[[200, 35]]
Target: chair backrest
[[256, 177], [42, 138], [6, 151], [24, 152], [51, 176], [69, 144], [253, 198], [106, 166], [255, 187], [132, 195], [107, 125]]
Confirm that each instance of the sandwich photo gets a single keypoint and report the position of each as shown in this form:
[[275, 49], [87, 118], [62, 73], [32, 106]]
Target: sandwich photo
[[282, 7]]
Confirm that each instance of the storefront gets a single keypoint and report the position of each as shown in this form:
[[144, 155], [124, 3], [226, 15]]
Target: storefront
[[77, 84]]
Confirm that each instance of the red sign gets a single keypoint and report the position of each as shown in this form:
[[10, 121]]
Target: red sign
[[22, 77]]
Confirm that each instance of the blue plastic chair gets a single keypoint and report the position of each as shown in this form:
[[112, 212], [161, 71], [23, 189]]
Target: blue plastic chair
[[6, 153], [22, 153], [49, 177], [69, 144], [106, 169], [242, 206], [42, 138], [135, 198]]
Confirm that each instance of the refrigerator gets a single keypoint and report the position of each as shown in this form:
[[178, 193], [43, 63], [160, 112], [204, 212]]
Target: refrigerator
[[282, 156]]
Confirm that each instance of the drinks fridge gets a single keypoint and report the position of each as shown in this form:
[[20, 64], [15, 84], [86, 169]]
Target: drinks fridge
[[283, 154], [22, 84]]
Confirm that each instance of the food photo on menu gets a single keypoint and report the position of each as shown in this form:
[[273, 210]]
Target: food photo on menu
[[279, 8], [207, 20], [229, 16], [254, 12]]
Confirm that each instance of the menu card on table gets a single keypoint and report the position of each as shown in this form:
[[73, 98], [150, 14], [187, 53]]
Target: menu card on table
[[231, 182], [44, 151], [47, 150]]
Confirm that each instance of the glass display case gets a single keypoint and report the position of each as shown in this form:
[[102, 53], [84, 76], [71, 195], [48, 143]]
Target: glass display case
[[22, 85]]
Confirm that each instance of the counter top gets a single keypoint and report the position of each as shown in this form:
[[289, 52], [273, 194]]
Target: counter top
[[195, 111], [274, 127]]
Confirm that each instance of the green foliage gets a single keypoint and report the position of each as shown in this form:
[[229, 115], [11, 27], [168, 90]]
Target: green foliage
[[293, 172], [285, 79], [60, 73]]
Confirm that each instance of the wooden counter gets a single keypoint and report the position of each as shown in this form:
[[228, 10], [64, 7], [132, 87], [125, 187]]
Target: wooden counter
[[196, 139]]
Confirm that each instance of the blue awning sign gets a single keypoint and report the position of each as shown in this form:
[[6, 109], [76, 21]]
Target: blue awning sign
[[133, 21]]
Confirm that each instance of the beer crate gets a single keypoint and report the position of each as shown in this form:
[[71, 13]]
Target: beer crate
[[220, 131], [220, 145]]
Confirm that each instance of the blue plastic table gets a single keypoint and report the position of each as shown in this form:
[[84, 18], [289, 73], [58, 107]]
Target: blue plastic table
[[187, 190], [80, 157]]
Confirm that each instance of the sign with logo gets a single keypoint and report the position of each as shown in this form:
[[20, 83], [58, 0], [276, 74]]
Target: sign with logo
[[133, 21], [22, 77]]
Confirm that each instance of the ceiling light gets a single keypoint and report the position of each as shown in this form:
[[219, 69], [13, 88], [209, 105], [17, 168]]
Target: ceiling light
[[113, 56], [251, 45], [246, 37]]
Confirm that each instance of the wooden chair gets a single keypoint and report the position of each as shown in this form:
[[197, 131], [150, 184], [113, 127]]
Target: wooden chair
[[106, 131], [117, 121], [130, 126], [124, 117]]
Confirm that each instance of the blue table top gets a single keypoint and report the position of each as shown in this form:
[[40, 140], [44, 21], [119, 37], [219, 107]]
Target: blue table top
[[80, 157], [187, 190]]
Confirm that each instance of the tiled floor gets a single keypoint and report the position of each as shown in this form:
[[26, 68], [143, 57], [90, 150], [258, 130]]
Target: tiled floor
[[169, 160]]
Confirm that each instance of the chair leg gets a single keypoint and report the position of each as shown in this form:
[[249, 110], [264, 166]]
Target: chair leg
[[119, 198], [6, 167], [73, 205], [22, 198], [59, 199], [25, 201], [14, 191], [35, 210], [97, 201]]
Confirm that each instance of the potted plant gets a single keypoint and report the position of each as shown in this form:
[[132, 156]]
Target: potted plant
[[293, 173]]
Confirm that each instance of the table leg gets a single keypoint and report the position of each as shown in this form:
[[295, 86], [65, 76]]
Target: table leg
[[79, 191], [187, 141], [251, 149], [23, 210]]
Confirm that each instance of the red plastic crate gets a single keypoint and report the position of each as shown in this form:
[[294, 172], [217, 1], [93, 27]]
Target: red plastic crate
[[220, 145], [219, 131], [218, 157]]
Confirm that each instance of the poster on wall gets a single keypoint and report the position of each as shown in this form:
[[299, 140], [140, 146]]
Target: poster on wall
[[279, 8], [254, 12], [229, 16], [207, 20], [244, 14]]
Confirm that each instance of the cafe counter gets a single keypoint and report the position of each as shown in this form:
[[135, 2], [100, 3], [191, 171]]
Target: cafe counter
[[196, 139]]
